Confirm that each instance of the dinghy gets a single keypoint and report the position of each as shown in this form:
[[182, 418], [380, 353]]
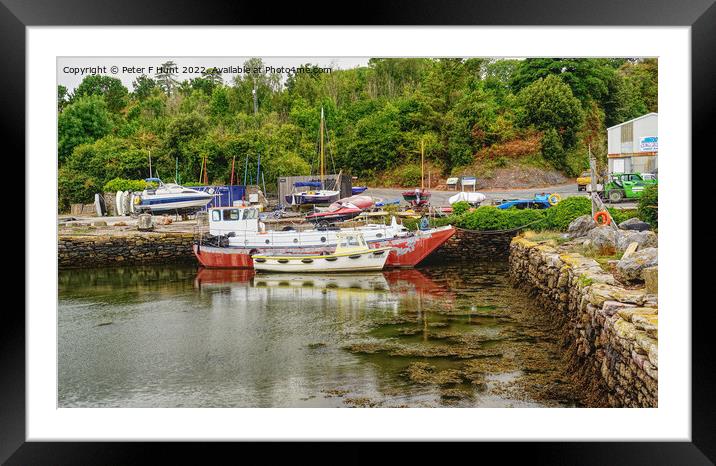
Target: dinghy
[[352, 255]]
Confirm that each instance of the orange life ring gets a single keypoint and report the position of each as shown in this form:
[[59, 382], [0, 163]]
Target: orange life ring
[[602, 218]]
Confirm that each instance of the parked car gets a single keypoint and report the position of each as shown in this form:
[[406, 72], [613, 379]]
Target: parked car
[[583, 180], [540, 201]]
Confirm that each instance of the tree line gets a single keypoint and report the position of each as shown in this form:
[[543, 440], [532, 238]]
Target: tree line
[[467, 112]]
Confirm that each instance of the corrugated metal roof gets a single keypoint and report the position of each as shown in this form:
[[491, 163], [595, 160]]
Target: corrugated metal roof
[[633, 119]]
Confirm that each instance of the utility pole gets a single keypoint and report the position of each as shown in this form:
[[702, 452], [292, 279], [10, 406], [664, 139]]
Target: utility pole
[[150, 163]]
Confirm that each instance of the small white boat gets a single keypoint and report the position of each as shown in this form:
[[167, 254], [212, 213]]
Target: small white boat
[[118, 203], [473, 198], [352, 254], [126, 203], [99, 205]]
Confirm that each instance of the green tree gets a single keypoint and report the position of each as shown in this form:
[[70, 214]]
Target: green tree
[[372, 146], [111, 89], [166, 77], [143, 87], [548, 103], [588, 78], [552, 149], [83, 121], [63, 98]]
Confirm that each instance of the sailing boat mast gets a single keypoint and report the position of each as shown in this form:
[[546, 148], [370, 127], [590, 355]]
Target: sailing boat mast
[[322, 173], [422, 164]]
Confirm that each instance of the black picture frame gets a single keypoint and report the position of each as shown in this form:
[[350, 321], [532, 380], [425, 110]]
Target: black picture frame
[[16, 15]]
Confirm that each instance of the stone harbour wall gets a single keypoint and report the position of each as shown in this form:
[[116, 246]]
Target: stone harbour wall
[[610, 332], [467, 245], [133, 249]]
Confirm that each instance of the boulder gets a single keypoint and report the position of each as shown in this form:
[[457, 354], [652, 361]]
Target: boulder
[[631, 268], [144, 222], [631, 249], [99, 223], [651, 279], [580, 226], [644, 239], [603, 239], [634, 224]]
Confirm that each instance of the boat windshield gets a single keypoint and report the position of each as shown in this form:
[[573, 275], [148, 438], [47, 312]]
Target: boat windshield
[[250, 214], [231, 214], [350, 240]]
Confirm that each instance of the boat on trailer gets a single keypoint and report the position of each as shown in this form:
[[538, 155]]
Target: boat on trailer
[[351, 255], [235, 234], [169, 197]]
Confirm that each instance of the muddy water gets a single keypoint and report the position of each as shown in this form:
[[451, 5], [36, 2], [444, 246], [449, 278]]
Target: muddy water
[[178, 337]]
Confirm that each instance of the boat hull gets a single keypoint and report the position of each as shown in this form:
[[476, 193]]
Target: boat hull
[[406, 251], [371, 259]]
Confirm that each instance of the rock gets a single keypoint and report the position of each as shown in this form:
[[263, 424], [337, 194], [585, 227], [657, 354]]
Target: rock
[[611, 307], [603, 240], [144, 222], [99, 223], [651, 279], [634, 224], [645, 239], [580, 226], [119, 224], [630, 268], [631, 249]]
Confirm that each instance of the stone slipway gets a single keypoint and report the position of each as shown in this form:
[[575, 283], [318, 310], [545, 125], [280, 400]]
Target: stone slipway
[[610, 333]]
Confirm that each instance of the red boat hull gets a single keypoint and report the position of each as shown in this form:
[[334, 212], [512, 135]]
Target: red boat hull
[[407, 252]]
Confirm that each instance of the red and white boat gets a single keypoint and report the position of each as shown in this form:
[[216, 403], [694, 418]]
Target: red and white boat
[[236, 234], [342, 209]]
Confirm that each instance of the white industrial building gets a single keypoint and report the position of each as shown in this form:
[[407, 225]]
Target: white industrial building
[[633, 146]]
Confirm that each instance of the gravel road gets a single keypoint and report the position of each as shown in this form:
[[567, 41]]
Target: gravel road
[[440, 198]]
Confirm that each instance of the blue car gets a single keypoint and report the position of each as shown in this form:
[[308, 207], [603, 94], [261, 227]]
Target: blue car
[[540, 201]]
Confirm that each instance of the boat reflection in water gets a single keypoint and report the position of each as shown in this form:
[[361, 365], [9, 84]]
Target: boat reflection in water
[[384, 289]]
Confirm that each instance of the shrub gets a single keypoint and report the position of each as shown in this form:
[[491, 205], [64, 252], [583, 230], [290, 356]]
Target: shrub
[[492, 218], [74, 187], [561, 215], [648, 208], [460, 208], [620, 215], [119, 184], [408, 175]]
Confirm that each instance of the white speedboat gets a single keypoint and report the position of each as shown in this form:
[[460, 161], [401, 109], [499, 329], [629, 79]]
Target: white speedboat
[[169, 197], [352, 255]]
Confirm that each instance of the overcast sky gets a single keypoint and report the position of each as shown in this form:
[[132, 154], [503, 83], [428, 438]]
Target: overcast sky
[[71, 70]]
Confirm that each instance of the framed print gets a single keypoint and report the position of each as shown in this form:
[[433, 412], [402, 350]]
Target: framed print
[[437, 215]]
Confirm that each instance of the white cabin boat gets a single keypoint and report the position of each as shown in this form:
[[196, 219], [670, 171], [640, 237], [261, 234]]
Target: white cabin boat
[[352, 255], [241, 228], [169, 197]]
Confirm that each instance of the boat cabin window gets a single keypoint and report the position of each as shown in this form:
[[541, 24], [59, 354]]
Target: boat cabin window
[[250, 214], [215, 215], [231, 214], [350, 241]]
